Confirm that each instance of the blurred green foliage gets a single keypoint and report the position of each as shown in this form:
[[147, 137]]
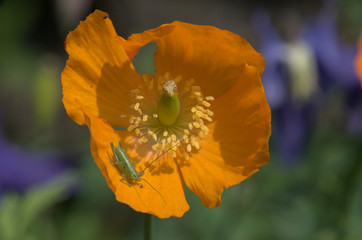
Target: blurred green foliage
[[24, 217]]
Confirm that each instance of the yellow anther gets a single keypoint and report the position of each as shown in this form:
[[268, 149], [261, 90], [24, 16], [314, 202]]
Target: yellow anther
[[201, 134], [190, 126], [169, 140], [197, 94], [132, 119], [144, 118], [155, 147], [137, 120], [200, 108], [173, 137], [206, 104], [198, 114], [136, 106], [131, 127], [193, 109], [188, 147], [196, 124], [155, 115], [209, 98], [195, 143], [208, 118], [143, 139], [209, 112], [154, 136], [186, 132], [137, 131], [165, 133], [139, 97]]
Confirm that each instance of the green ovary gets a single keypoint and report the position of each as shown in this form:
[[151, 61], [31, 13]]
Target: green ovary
[[168, 109]]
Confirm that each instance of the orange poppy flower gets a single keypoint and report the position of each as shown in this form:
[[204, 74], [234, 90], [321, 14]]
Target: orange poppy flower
[[358, 63], [205, 106]]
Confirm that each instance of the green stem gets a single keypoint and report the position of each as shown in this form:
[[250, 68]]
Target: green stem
[[147, 231]]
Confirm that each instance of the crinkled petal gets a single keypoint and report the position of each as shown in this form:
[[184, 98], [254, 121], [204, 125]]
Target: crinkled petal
[[211, 56], [98, 72], [162, 192], [138, 40], [237, 143], [358, 61]]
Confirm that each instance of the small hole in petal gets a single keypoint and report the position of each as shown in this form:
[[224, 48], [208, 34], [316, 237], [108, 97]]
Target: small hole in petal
[[143, 60]]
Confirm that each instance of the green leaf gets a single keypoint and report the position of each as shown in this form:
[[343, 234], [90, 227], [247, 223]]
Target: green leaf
[[18, 213], [41, 198], [9, 217]]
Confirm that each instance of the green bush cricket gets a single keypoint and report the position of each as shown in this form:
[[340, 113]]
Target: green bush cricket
[[127, 167]]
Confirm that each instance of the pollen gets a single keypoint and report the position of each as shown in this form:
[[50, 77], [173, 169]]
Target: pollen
[[183, 138]]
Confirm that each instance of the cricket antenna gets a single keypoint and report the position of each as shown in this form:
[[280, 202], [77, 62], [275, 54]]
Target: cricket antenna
[[166, 152]]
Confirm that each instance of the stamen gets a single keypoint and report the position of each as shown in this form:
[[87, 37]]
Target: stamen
[[196, 124], [136, 106], [150, 125], [206, 104], [209, 112], [173, 137], [131, 127], [209, 98], [137, 131]]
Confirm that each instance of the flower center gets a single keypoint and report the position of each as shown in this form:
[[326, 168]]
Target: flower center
[[165, 117], [168, 105]]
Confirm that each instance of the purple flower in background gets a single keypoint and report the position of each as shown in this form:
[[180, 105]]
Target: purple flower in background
[[335, 57], [272, 48], [290, 83], [336, 63], [20, 169]]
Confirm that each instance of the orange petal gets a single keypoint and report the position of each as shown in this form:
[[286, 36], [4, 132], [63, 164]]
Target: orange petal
[[138, 40], [98, 72], [237, 143], [211, 56], [162, 192], [358, 62]]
